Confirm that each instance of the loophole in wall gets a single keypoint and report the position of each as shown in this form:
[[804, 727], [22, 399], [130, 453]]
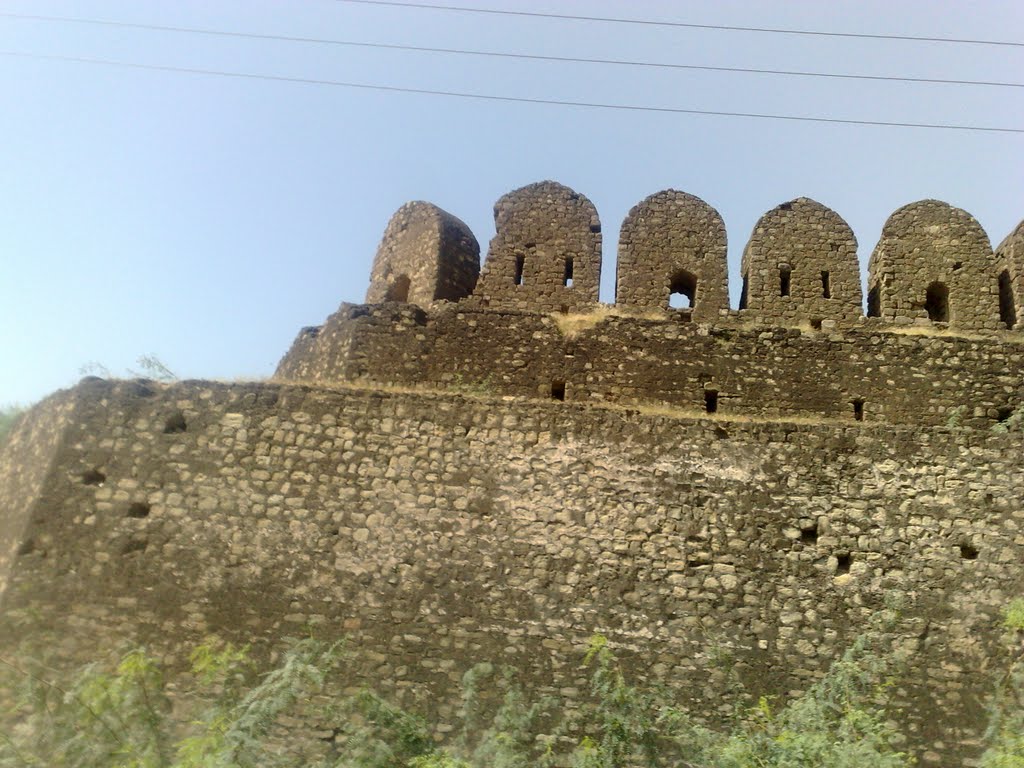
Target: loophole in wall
[[968, 551]]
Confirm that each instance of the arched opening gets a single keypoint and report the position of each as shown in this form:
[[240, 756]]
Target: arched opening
[[682, 291], [398, 290], [875, 301], [936, 302], [785, 275], [1007, 310]]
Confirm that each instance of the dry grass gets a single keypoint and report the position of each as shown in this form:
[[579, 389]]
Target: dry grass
[[572, 324]]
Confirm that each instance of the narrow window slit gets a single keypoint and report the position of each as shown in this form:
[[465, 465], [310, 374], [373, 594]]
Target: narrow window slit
[[520, 263], [567, 280], [858, 409], [711, 400], [785, 275], [826, 285], [936, 302], [743, 292], [1007, 309], [874, 302]]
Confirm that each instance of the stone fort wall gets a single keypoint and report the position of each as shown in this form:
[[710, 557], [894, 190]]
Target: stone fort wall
[[435, 531], [939, 341]]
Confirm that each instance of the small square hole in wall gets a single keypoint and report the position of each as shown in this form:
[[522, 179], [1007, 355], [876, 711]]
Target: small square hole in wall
[[1004, 413], [93, 477], [968, 551], [816, 323], [558, 389], [809, 535], [843, 563], [138, 509], [175, 423]]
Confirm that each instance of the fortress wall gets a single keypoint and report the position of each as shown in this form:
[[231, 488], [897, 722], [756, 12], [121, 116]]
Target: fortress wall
[[437, 531], [755, 371], [25, 458], [355, 340], [673, 243]]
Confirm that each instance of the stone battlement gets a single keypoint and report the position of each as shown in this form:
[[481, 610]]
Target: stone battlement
[[934, 263], [940, 339]]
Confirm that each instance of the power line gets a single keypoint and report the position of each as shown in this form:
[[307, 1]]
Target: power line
[[495, 97], [500, 54], [652, 23]]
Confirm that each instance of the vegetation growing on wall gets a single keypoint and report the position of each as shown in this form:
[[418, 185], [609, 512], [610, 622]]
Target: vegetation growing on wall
[[122, 716]]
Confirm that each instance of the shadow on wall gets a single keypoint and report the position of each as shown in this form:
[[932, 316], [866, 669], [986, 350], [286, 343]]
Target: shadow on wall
[[933, 263]]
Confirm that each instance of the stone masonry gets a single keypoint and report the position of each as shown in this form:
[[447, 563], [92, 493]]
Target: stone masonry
[[546, 253], [1010, 263]]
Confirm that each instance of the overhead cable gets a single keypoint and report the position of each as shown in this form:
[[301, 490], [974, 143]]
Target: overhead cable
[[687, 25], [500, 98], [501, 54]]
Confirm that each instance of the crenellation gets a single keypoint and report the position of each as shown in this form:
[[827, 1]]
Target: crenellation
[[546, 253], [800, 265], [426, 255], [673, 244], [934, 264], [1010, 266]]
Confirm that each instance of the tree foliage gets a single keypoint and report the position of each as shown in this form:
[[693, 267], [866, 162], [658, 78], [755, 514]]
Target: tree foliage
[[122, 717]]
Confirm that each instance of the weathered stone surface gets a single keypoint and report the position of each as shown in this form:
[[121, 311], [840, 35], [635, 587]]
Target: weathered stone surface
[[426, 255], [439, 530], [673, 243], [801, 265], [934, 263]]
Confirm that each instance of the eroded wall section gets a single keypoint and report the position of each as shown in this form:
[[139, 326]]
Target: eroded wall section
[[1010, 266], [426, 255]]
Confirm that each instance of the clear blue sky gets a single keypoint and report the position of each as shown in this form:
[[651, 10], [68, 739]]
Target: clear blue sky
[[205, 219]]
